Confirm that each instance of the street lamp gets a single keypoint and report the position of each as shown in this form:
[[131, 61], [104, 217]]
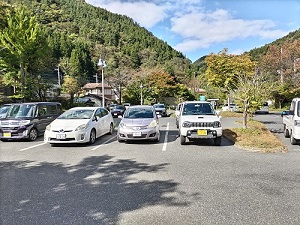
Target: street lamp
[[103, 65], [141, 86]]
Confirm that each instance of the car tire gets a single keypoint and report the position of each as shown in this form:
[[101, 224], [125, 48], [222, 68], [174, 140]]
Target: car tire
[[293, 140], [286, 132], [33, 134], [111, 128], [218, 141], [182, 140], [92, 136]]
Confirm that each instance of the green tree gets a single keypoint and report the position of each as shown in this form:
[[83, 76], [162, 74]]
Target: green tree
[[71, 86], [251, 91], [22, 43]]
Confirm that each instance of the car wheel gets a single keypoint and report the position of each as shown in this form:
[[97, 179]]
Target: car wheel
[[92, 136], [111, 128], [33, 134], [218, 141], [182, 140], [293, 140], [286, 132]]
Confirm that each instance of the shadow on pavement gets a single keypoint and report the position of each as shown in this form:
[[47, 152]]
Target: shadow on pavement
[[96, 191]]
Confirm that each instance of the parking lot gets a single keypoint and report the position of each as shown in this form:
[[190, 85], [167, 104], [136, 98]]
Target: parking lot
[[149, 183]]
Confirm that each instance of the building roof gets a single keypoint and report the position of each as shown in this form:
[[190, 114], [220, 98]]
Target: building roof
[[95, 86]]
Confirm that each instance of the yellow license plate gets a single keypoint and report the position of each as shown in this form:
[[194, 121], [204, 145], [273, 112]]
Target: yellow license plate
[[6, 134], [202, 132]]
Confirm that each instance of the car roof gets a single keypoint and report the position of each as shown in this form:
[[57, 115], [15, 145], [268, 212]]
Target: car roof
[[188, 102], [140, 106], [82, 108]]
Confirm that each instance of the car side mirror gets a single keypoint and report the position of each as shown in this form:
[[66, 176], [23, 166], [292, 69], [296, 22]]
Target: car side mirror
[[284, 113]]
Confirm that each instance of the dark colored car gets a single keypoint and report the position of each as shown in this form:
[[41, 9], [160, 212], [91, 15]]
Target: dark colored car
[[28, 120], [118, 110], [160, 109]]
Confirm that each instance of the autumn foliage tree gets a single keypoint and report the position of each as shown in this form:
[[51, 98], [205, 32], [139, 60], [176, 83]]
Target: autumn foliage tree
[[71, 86], [223, 70]]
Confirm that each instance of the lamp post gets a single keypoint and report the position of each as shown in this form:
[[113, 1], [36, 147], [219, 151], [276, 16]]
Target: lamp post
[[103, 65], [141, 86]]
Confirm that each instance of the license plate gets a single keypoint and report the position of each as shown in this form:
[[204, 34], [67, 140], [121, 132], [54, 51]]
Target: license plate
[[61, 136], [6, 134], [202, 132], [115, 114], [137, 134]]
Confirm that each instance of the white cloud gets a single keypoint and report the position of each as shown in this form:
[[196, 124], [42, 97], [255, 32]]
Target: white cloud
[[202, 29], [191, 22], [144, 13]]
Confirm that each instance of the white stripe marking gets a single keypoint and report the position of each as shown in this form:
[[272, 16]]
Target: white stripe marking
[[104, 143], [166, 139], [24, 149]]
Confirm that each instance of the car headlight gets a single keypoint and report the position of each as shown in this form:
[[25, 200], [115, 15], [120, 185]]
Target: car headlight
[[297, 123], [153, 124], [217, 124], [81, 127], [122, 125], [186, 124], [24, 122], [48, 127]]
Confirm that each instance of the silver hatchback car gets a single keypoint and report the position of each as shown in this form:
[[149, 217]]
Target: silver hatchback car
[[139, 122]]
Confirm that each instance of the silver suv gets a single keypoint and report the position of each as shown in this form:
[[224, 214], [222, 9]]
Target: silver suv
[[199, 120]]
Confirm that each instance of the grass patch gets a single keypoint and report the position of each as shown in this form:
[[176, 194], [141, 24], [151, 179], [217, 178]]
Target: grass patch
[[227, 114], [256, 138]]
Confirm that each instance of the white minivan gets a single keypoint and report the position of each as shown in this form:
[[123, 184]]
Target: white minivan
[[291, 121]]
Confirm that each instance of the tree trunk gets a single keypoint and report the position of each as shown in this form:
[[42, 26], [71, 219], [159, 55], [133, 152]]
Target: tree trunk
[[245, 114]]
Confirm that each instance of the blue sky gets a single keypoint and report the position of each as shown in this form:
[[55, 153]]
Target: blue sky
[[200, 27]]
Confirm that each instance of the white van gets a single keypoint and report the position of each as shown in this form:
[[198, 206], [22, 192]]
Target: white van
[[291, 121]]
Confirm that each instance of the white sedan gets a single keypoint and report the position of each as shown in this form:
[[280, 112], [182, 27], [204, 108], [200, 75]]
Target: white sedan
[[79, 125]]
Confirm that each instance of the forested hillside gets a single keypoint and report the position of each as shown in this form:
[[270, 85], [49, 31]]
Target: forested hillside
[[44, 40], [78, 34]]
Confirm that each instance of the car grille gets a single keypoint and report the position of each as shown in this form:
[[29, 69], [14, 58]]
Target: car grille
[[202, 124], [131, 136], [67, 139]]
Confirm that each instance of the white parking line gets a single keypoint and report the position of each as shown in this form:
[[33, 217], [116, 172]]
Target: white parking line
[[166, 139], [34, 146], [104, 143]]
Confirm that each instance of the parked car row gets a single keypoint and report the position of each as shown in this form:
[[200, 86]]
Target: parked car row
[[194, 119]]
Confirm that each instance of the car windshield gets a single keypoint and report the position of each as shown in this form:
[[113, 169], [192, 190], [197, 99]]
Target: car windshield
[[119, 107], [136, 113], [21, 111], [159, 106], [4, 109], [197, 109], [77, 114]]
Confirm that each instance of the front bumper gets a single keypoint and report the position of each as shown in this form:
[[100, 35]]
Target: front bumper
[[201, 133], [15, 133], [67, 137], [144, 134]]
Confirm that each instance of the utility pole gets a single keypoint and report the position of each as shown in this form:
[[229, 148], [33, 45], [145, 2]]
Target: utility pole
[[96, 75]]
